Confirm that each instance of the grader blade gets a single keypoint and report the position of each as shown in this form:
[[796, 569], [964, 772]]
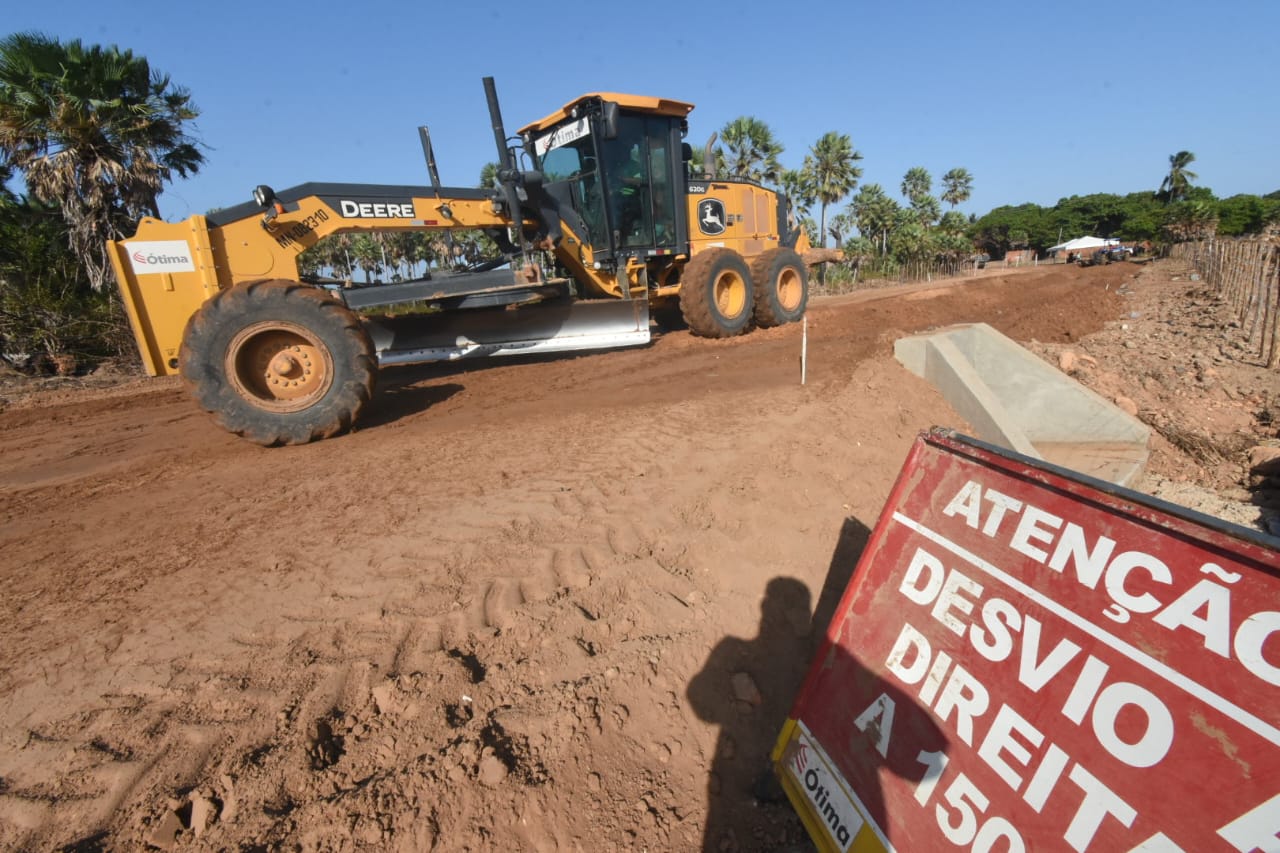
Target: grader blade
[[556, 327]]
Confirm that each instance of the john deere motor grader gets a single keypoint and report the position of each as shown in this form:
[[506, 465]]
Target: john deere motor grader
[[606, 222]]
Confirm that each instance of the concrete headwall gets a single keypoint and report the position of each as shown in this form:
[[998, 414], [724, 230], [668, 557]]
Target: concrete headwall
[[1015, 400]]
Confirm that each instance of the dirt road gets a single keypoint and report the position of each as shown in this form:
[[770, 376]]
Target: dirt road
[[520, 606]]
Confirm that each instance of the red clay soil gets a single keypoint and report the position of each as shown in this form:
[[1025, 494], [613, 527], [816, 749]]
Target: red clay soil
[[519, 607]]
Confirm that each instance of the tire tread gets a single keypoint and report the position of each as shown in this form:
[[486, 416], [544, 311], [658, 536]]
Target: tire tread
[[354, 362]]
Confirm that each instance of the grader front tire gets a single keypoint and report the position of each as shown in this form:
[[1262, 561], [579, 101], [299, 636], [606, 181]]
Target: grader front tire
[[716, 294], [278, 362]]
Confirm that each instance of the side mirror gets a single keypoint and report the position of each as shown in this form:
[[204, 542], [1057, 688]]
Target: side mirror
[[609, 115], [686, 152]]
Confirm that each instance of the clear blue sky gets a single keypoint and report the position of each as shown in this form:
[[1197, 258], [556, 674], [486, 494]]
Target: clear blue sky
[[1037, 100]]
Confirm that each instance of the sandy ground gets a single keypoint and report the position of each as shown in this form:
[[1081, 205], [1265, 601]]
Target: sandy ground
[[521, 606]]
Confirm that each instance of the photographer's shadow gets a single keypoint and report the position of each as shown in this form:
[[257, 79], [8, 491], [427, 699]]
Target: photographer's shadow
[[747, 687]]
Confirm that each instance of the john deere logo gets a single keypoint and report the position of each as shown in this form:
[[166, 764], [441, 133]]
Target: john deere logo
[[711, 216]]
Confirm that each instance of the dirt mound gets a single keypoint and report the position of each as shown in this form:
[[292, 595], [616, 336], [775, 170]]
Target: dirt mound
[[520, 606], [1179, 359]]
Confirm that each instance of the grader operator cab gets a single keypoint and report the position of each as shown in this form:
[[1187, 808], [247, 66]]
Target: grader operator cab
[[597, 221]]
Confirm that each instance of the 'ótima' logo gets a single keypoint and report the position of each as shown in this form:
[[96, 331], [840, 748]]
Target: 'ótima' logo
[[154, 258], [151, 257], [711, 217], [801, 758]]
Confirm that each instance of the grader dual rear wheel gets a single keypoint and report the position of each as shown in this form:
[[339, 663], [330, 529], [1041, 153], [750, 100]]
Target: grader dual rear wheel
[[781, 287], [278, 362], [716, 294]]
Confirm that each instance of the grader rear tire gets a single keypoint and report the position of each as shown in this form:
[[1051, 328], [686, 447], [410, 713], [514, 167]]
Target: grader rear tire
[[716, 294], [781, 287], [278, 362]]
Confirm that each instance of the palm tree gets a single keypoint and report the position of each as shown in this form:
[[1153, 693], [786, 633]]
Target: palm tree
[[94, 130], [696, 166], [414, 248], [6, 175], [1175, 184], [949, 238], [831, 164], [367, 253], [841, 226], [858, 251], [750, 150], [916, 184], [911, 240], [807, 223], [952, 222], [875, 213], [340, 256], [927, 209], [957, 186], [798, 188]]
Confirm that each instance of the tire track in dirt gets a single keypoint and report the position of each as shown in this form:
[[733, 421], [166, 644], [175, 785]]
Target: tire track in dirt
[[557, 542], [554, 538], [421, 630], [493, 601]]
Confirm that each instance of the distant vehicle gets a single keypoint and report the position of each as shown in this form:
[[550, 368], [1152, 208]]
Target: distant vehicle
[[1105, 255]]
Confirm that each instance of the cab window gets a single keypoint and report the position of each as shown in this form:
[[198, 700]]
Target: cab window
[[642, 200], [574, 164]]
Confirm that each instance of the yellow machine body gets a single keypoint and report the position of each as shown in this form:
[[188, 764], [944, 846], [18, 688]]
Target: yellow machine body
[[167, 271]]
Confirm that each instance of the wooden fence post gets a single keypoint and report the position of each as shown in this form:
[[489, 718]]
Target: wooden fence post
[[1272, 275]]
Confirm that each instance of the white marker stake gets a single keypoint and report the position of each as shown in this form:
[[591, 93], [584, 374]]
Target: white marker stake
[[804, 348]]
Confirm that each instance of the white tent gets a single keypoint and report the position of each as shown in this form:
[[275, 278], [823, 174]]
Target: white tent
[[1083, 243]]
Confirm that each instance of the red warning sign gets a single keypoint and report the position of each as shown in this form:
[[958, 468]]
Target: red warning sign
[[1027, 660]]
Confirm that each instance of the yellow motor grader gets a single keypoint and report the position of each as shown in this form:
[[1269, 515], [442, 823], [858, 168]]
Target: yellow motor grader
[[596, 218]]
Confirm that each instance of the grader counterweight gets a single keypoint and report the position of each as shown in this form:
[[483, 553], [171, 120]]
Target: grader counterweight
[[597, 221]]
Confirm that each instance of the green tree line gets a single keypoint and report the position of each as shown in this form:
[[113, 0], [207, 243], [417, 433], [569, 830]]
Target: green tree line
[[881, 234], [1195, 212]]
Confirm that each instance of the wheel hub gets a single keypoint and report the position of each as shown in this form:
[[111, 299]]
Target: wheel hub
[[279, 366], [286, 366], [289, 369], [790, 289], [730, 294]]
